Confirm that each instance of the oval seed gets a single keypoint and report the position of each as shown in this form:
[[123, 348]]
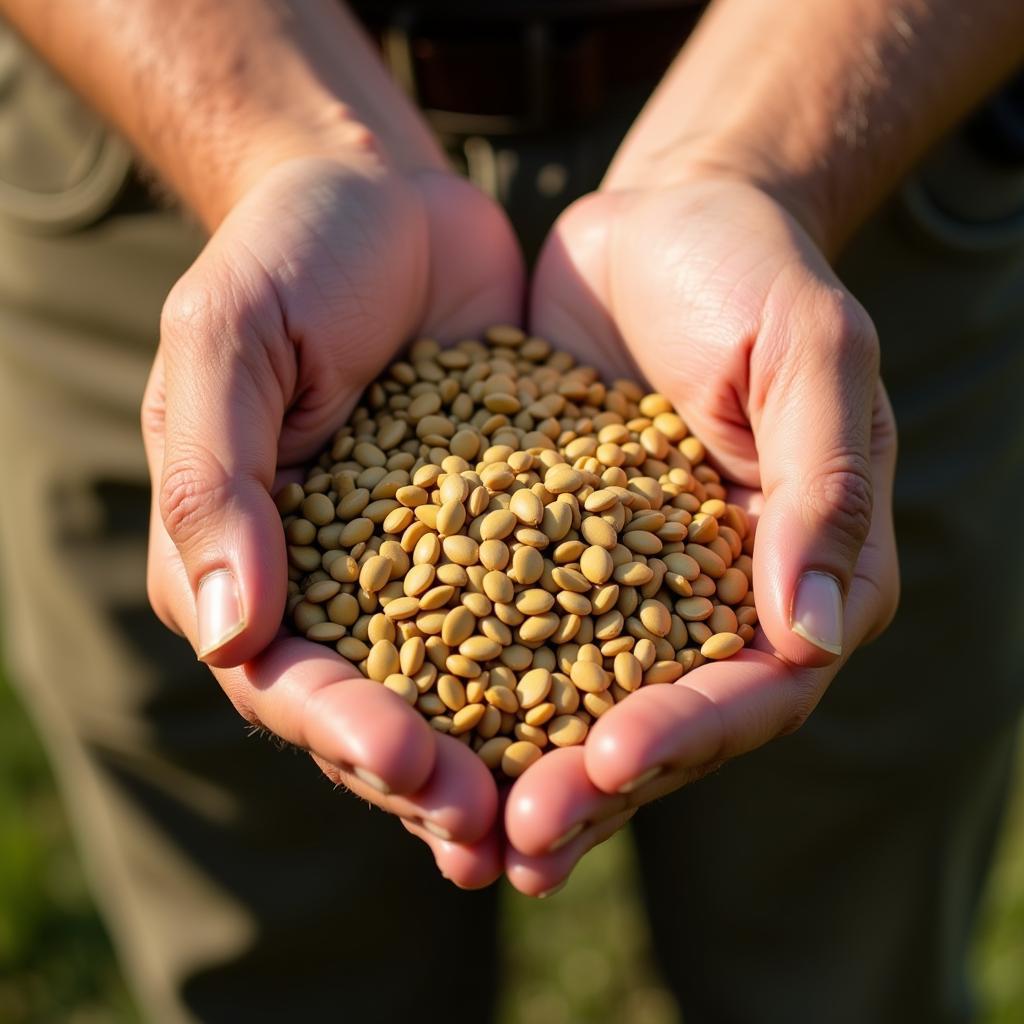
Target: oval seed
[[694, 609], [655, 617], [498, 587], [534, 602], [498, 524], [459, 625], [527, 507], [382, 661], [527, 565], [402, 608], [479, 648], [518, 756], [596, 564], [732, 586], [537, 628], [589, 677], [597, 531], [567, 730], [375, 573], [533, 687], [628, 670], [493, 750], [403, 686], [721, 645], [462, 550]]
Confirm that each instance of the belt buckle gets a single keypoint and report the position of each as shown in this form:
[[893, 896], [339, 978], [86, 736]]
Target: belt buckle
[[398, 40]]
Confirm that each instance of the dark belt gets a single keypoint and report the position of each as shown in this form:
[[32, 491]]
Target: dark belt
[[535, 71]]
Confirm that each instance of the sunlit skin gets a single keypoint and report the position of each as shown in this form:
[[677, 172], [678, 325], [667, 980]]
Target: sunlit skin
[[306, 291], [338, 234], [712, 290]]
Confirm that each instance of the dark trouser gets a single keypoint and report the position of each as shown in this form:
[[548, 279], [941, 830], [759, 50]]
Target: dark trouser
[[832, 876]]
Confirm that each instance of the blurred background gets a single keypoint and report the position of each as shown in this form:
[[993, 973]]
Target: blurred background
[[582, 958]]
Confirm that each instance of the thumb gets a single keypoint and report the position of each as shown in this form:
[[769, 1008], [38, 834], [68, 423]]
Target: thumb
[[813, 436], [223, 410]]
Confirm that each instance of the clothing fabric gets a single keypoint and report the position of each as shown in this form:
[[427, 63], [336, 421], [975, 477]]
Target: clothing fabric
[[833, 875]]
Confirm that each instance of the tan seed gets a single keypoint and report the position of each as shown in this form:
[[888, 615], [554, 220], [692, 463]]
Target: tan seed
[[402, 608], [732, 586], [663, 672], [503, 698], [589, 677], [721, 645], [498, 587], [694, 609], [562, 479], [567, 730], [596, 564], [533, 687], [461, 549], [498, 524], [382, 661], [628, 670], [518, 756], [375, 573], [467, 718], [459, 625], [527, 507], [479, 648], [534, 602], [493, 750], [452, 691], [403, 686], [655, 617], [597, 531]]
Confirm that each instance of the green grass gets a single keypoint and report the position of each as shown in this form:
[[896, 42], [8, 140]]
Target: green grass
[[56, 964]]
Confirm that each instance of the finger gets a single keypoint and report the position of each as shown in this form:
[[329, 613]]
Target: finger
[[545, 875], [813, 429], [552, 803], [459, 802], [661, 737], [467, 865], [564, 308], [313, 699], [224, 355]]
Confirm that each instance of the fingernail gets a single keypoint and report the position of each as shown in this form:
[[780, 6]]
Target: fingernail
[[218, 611], [640, 780], [818, 611], [567, 837], [437, 830], [372, 780], [555, 888]]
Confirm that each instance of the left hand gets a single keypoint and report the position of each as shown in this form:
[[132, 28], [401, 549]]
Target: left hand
[[717, 295]]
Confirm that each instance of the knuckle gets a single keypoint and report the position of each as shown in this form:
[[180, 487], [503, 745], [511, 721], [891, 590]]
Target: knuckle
[[806, 696], [188, 308], [851, 331], [841, 495], [191, 491]]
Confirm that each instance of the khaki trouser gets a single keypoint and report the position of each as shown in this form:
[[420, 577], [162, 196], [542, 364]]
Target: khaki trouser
[[831, 876]]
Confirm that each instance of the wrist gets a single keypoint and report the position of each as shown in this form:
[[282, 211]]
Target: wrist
[[802, 191], [330, 134]]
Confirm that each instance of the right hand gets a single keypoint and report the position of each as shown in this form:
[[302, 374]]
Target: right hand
[[301, 297]]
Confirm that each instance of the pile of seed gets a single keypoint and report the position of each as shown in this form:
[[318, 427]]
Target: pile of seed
[[512, 546]]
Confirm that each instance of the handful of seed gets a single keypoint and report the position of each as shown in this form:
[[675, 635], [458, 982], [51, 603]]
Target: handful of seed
[[512, 546]]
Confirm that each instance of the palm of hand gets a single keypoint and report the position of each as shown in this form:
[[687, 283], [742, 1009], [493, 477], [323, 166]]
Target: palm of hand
[[301, 298], [718, 298]]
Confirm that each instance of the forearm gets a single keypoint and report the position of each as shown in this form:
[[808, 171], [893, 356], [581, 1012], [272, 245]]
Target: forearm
[[823, 102], [213, 92]]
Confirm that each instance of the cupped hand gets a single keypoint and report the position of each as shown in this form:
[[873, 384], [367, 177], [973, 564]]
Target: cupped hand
[[716, 295], [303, 294]]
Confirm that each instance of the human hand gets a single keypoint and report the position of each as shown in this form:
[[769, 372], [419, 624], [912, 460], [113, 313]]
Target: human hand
[[718, 296], [303, 294]]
